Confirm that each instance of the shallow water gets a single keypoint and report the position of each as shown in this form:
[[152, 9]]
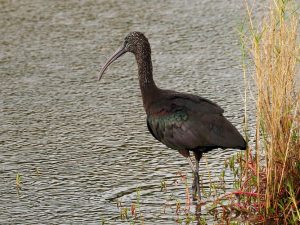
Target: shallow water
[[80, 145]]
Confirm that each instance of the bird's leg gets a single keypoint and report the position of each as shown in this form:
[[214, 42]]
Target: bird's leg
[[195, 186], [194, 189], [186, 154], [198, 156]]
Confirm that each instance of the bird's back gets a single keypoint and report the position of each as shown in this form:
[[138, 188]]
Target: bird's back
[[185, 121]]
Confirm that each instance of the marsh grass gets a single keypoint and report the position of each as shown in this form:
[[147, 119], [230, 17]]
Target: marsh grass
[[267, 177], [275, 54], [269, 184]]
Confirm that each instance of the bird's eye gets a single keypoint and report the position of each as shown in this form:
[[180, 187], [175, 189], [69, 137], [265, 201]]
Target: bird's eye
[[125, 42]]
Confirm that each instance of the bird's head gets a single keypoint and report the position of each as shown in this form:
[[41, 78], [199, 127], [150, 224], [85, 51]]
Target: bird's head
[[134, 42]]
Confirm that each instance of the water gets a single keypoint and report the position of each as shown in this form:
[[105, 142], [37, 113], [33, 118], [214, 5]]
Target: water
[[80, 145]]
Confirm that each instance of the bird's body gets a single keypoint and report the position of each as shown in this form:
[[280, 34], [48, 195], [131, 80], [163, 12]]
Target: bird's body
[[181, 121], [185, 121]]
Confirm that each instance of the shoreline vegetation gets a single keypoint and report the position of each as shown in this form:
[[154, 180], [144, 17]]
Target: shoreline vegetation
[[269, 185]]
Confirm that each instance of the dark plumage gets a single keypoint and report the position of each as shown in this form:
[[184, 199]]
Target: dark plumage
[[181, 121]]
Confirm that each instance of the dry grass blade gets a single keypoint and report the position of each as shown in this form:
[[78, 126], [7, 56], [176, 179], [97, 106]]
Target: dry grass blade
[[275, 53]]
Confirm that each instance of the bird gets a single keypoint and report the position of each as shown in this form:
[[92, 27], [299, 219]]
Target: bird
[[181, 121]]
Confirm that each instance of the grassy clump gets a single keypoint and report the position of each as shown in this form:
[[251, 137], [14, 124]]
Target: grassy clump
[[271, 171], [269, 180]]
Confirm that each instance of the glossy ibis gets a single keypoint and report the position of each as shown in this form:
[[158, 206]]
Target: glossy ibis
[[181, 121]]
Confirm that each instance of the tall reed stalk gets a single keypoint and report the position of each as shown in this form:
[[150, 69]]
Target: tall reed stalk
[[275, 164]]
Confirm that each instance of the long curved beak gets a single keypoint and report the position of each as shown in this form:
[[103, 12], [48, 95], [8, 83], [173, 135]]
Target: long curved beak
[[116, 55]]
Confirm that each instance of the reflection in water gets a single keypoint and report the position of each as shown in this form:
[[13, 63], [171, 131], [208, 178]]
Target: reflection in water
[[88, 140]]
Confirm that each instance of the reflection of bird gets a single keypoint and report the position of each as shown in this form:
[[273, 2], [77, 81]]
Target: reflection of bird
[[181, 121]]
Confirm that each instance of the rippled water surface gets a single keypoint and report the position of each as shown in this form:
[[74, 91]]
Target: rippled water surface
[[80, 145]]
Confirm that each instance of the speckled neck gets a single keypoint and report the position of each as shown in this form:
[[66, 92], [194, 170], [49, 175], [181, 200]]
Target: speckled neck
[[148, 87]]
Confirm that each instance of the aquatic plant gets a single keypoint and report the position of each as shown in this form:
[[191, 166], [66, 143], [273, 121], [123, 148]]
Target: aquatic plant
[[18, 182]]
